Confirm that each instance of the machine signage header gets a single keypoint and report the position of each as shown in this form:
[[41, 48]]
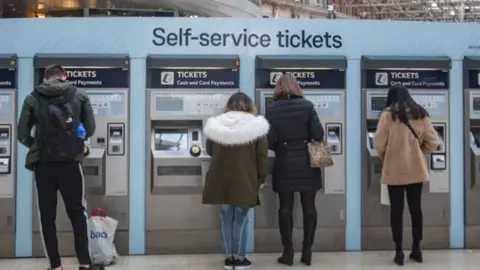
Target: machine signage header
[[195, 78], [420, 79], [94, 77], [7, 78], [474, 78], [308, 79]]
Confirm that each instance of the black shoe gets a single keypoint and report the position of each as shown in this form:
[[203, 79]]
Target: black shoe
[[286, 258], [229, 264], [416, 255], [306, 257], [399, 258], [242, 264], [92, 267]]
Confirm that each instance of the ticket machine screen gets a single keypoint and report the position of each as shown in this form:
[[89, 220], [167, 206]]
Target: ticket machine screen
[[163, 104], [171, 139]]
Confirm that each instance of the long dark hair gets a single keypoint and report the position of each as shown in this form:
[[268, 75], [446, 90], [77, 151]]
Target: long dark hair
[[403, 106]]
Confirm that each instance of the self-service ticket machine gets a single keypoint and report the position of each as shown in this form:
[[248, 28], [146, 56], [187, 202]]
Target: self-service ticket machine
[[8, 159], [323, 82], [428, 82], [472, 151], [183, 91], [106, 80]]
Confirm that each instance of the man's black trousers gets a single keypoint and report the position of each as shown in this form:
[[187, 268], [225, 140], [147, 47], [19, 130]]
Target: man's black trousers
[[66, 177]]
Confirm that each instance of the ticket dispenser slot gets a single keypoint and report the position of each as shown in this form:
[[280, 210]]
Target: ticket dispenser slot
[[116, 139], [334, 138], [5, 149], [94, 166], [438, 159]]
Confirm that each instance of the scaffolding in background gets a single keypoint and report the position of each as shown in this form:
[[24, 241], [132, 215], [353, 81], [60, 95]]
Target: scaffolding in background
[[413, 10], [404, 10]]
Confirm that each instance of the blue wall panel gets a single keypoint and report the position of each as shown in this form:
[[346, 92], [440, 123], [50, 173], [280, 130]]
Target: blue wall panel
[[134, 36], [247, 85], [138, 89], [24, 212], [457, 196], [354, 153]]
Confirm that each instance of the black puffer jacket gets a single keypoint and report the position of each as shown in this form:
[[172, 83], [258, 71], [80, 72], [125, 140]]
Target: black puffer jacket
[[293, 123]]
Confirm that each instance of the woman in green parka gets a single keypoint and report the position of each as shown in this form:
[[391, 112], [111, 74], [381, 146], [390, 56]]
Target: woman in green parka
[[237, 143]]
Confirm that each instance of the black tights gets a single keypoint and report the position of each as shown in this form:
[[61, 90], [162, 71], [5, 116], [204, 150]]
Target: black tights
[[397, 202], [285, 218]]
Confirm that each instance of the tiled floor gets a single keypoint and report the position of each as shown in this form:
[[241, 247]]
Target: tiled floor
[[434, 260]]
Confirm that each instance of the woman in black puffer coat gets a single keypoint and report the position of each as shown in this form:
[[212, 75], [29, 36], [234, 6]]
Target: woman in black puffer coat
[[293, 123]]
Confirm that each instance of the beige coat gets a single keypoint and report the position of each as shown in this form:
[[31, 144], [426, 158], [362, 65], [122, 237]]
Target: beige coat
[[403, 156]]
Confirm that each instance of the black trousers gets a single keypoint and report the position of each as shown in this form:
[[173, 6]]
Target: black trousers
[[285, 218], [66, 177], [397, 202]]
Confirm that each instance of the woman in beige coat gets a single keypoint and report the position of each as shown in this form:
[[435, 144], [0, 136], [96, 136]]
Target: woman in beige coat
[[404, 137]]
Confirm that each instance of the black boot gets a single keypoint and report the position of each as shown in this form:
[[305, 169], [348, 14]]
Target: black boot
[[399, 256], [285, 224], [306, 254], [416, 254], [309, 228], [286, 258]]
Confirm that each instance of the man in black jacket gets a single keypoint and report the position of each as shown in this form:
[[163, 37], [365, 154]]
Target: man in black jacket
[[65, 176]]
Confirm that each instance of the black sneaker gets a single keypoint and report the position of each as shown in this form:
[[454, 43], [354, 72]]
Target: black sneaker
[[229, 264], [242, 264]]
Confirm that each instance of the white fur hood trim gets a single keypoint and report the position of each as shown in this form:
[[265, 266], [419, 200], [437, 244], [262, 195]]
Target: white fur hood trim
[[236, 128]]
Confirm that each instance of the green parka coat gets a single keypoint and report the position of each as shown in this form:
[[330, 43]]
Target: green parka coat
[[237, 143]]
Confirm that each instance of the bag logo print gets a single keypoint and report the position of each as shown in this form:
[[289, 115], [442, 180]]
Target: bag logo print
[[95, 235]]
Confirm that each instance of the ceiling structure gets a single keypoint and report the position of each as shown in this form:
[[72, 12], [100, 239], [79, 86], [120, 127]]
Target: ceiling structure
[[201, 8], [414, 10]]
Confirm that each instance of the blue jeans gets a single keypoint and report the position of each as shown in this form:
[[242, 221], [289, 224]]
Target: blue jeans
[[234, 219]]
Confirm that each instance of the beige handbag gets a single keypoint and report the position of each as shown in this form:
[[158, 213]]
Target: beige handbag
[[319, 154]]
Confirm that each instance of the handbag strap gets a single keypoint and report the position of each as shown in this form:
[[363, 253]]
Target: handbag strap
[[411, 129]]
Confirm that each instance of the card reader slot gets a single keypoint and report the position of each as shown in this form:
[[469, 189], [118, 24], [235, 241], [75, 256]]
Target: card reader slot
[[116, 139], [334, 138]]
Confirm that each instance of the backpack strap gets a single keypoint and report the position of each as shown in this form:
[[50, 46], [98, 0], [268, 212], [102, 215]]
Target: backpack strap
[[70, 93]]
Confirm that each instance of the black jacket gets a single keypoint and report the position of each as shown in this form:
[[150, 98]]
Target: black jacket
[[293, 123], [31, 112]]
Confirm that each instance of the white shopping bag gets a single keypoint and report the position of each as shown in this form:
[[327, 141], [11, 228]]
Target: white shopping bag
[[101, 231], [384, 198]]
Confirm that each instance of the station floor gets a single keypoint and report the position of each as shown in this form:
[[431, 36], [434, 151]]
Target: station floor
[[433, 260]]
